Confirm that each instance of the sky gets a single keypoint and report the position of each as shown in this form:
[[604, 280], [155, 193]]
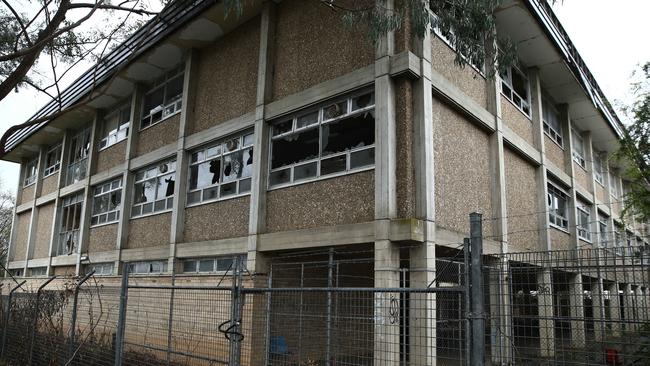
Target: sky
[[611, 36]]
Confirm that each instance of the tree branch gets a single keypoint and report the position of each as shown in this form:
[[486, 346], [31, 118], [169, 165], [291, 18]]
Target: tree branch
[[22, 26], [113, 7]]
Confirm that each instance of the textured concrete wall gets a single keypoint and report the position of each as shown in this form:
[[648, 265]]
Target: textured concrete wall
[[102, 238], [554, 152], [600, 193], [617, 207], [219, 220], [404, 138], [44, 231], [227, 77], [467, 79], [149, 231], [19, 249], [112, 156], [462, 170], [49, 184], [161, 134], [343, 200], [517, 121], [521, 200], [582, 177], [314, 45], [27, 194], [560, 240], [64, 271]]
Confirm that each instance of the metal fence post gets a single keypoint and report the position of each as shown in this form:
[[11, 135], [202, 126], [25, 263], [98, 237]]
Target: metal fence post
[[477, 312], [73, 319], [7, 319], [236, 315], [121, 320], [36, 306]]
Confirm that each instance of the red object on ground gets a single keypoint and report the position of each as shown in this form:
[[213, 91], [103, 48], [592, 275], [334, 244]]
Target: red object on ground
[[611, 356]]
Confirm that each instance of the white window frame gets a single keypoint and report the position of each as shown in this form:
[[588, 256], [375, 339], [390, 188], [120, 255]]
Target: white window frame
[[598, 169], [148, 267], [578, 156], [101, 269], [106, 189], [215, 264], [548, 114], [613, 185], [168, 108], [31, 172], [603, 223], [151, 173], [121, 132], [78, 164], [319, 124], [584, 224], [56, 166], [521, 102], [560, 221], [76, 202], [219, 152]]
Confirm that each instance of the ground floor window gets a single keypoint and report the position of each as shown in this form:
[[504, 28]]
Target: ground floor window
[[209, 265], [148, 267], [101, 269]]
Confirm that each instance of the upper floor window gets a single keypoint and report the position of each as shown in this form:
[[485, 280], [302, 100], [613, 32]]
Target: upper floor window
[[578, 151], [78, 157], [613, 185], [552, 125], [221, 170], [52, 161], [164, 98], [115, 127], [598, 168], [107, 200], [31, 172], [515, 86], [101, 269], [334, 139], [603, 229], [70, 224], [154, 189], [148, 267], [584, 231], [557, 201]]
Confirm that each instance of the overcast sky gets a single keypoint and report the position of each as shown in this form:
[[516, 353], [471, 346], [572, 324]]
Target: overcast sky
[[611, 36]]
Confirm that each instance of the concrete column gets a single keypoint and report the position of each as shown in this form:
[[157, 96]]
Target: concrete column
[[422, 312], [84, 229], [256, 262], [501, 313], [627, 305], [31, 241], [614, 309], [598, 303], [545, 313], [567, 131], [14, 221], [56, 220], [576, 304]]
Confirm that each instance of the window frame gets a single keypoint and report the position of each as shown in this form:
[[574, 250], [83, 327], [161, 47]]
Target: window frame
[[103, 267], [80, 161], [584, 232], [121, 133], [578, 156], [598, 169], [164, 264], [31, 167], [506, 80], [40, 274], [177, 103], [76, 201], [108, 192], [321, 121], [613, 185], [215, 264], [557, 192], [548, 108], [603, 222], [169, 200], [220, 145], [52, 169]]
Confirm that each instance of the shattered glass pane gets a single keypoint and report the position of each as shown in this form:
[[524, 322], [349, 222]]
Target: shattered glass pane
[[305, 171], [213, 151], [306, 120], [248, 163], [231, 145], [174, 89], [363, 101], [205, 174], [362, 158], [145, 191], [165, 186], [348, 133], [153, 102], [232, 166], [248, 139], [282, 127], [333, 165], [295, 148], [335, 110]]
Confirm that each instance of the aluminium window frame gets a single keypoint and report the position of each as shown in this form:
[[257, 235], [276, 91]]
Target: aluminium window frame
[[169, 200], [221, 144], [614, 185], [176, 104], [554, 190], [584, 232], [598, 169], [603, 222], [578, 156], [79, 163], [215, 264], [40, 271], [101, 269], [121, 133], [550, 131], [52, 169], [76, 201], [508, 83], [101, 193], [163, 263], [321, 121], [31, 168]]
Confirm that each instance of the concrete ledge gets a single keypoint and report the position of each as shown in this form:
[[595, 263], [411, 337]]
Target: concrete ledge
[[65, 260], [24, 207], [405, 64], [407, 230], [16, 265], [47, 198], [318, 237], [145, 254], [222, 129], [453, 239], [584, 194], [113, 172], [100, 257], [73, 187], [165, 152], [39, 262], [212, 247], [557, 173], [522, 146]]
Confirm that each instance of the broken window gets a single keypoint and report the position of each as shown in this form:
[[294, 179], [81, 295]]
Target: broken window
[[31, 171], [154, 189], [515, 87], [221, 170], [115, 127], [52, 161], [78, 157], [551, 119], [336, 138], [584, 224], [107, 200], [148, 267], [578, 151], [557, 201], [613, 185], [70, 224], [164, 98]]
